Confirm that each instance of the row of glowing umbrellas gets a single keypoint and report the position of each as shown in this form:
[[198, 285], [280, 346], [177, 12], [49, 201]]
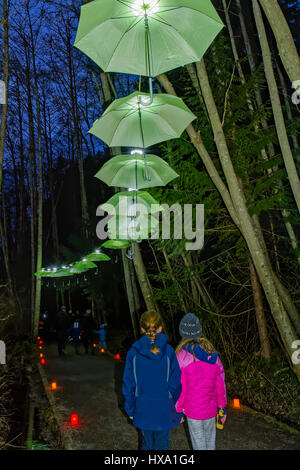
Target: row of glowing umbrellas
[[145, 38]]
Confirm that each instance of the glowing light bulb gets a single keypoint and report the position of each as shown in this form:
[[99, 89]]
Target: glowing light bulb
[[145, 7]]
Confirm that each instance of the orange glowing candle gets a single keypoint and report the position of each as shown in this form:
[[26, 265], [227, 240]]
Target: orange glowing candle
[[236, 403], [74, 419]]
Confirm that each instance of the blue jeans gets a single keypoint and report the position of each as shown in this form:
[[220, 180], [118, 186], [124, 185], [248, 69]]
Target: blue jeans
[[156, 440]]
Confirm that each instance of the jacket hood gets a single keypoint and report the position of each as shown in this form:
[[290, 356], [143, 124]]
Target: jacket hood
[[201, 354], [143, 346]]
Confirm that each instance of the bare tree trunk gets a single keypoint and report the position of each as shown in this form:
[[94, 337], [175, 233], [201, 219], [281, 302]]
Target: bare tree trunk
[[271, 149], [239, 209], [179, 290], [130, 294], [38, 288], [285, 42], [260, 314], [276, 105], [260, 261]]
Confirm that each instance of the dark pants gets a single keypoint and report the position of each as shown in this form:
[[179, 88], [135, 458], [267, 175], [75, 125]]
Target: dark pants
[[87, 339], [156, 440], [61, 341]]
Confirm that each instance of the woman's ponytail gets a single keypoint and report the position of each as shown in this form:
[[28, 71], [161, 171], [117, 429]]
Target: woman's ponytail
[[150, 321]]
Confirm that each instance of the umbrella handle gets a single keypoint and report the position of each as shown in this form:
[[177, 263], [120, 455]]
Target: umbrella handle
[[149, 100], [148, 177]]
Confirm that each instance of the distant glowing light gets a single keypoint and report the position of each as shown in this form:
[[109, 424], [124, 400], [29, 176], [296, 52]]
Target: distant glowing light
[[84, 259], [102, 350], [74, 419], [43, 361], [236, 403], [41, 355], [38, 337], [140, 152], [118, 356], [98, 252], [94, 345], [53, 386], [142, 7], [40, 342]]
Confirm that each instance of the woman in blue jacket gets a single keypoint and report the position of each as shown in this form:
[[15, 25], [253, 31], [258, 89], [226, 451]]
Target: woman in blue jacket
[[152, 384]]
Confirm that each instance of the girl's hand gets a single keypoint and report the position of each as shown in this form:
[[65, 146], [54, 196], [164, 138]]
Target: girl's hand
[[182, 420], [223, 419]]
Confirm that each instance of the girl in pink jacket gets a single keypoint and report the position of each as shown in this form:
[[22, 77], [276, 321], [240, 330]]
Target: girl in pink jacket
[[203, 384]]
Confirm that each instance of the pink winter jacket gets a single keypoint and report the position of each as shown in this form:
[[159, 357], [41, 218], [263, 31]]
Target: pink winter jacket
[[203, 384]]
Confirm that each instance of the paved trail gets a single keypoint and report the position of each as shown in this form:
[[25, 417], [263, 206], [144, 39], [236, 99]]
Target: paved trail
[[91, 387]]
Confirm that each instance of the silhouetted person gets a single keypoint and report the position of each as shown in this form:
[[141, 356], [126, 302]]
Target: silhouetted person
[[75, 331], [88, 325], [102, 332], [62, 325]]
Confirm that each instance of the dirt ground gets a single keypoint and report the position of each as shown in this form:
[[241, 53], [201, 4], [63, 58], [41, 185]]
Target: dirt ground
[[91, 387]]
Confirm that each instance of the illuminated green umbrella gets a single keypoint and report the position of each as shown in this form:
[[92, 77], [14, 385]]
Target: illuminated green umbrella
[[128, 123], [127, 203], [132, 228], [146, 37], [97, 256], [82, 266], [136, 171], [116, 244]]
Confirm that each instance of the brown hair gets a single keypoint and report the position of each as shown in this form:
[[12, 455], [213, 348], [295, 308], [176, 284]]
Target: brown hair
[[150, 321], [202, 342]]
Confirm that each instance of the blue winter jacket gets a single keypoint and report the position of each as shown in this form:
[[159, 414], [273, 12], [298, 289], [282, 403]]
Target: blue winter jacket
[[102, 334], [152, 385]]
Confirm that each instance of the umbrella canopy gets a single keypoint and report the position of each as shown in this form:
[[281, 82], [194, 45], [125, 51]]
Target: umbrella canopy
[[132, 228], [127, 203], [82, 266], [97, 256], [129, 171], [146, 37], [128, 123], [116, 244]]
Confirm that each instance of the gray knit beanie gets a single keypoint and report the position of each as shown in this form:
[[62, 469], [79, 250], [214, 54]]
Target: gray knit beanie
[[189, 327]]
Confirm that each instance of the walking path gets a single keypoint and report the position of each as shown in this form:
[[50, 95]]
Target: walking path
[[91, 387]]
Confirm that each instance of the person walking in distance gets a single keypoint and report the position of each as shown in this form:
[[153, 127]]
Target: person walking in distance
[[62, 323], [203, 384], [88, 325]]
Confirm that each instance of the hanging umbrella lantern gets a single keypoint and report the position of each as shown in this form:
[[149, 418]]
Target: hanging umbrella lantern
[[128, 171], [116, 244], [126, 203], [132, 228], [128, 123], [146, 37], [97, 256]]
